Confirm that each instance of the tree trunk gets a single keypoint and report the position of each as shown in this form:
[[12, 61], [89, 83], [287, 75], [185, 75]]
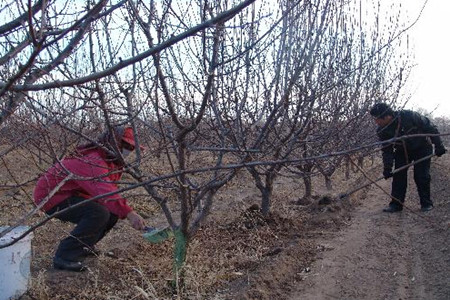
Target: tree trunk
[[347, 168], [266, 194], [361, 162], [328, 183], [308, 187]]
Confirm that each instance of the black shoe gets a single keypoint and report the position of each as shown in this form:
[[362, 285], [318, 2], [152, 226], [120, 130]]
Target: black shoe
[[63, 264], [427, 208], [87, 251], [392, 209]]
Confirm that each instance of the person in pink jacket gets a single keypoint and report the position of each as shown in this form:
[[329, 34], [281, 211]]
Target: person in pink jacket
[[92, 171]]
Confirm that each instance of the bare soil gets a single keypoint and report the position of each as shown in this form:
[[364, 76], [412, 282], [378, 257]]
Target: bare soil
[[341, 249]]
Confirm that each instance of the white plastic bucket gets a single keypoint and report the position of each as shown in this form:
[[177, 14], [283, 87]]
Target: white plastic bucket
[[14, 263]]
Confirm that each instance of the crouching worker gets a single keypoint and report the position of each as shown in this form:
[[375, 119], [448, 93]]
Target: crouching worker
[[95, 167]]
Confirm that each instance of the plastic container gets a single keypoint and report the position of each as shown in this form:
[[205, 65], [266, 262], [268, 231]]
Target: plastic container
[[15, 263], [156, 235]]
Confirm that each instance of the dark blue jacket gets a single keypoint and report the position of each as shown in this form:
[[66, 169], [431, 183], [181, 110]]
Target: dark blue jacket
[[407, 122]]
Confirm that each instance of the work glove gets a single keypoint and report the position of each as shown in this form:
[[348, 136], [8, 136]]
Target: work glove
[[387, 173], [439, 151]]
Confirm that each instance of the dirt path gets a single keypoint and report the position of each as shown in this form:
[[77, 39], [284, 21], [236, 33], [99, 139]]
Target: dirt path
[[387, 256]]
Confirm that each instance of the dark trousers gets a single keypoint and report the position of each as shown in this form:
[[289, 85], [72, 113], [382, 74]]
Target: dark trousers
[[422, 176], [93, 222]]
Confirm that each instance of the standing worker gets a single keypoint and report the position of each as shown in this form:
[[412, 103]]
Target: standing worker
[[96, 168], [394, 124]]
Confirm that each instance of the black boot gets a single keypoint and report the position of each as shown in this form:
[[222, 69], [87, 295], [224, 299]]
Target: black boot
[[426, 207], [63, 264], [91, 251], [392, 209]]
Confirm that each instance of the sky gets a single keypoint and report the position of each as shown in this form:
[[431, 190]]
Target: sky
[[430, 78]]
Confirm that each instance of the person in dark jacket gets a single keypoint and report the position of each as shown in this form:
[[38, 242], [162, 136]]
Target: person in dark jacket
[[92, 170], [394, 124]]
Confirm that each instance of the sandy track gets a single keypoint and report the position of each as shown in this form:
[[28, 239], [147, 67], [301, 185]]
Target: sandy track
[[387, 256]]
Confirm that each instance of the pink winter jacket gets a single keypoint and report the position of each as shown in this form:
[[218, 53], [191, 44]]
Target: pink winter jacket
[[95, 175]]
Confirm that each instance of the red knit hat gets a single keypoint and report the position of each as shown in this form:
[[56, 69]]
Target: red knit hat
[[128, 137]]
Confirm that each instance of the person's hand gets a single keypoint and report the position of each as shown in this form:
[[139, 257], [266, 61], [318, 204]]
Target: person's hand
[[387, 173], [439, 151], [136, 221]]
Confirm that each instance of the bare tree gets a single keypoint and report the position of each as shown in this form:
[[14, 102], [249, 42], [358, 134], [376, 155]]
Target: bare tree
[[210, 88]]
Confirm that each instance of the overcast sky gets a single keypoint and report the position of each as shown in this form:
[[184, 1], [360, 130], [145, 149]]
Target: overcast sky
[[430, 80]]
